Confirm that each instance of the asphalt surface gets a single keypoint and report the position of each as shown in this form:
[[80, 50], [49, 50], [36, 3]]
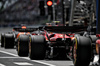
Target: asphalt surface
[[9, 57]]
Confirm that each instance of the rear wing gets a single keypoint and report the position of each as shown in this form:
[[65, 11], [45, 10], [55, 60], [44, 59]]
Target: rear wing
[[25, 30], [60, 29]]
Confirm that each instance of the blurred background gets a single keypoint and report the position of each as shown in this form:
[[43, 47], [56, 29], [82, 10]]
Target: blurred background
[[38, 12], [16, 12]]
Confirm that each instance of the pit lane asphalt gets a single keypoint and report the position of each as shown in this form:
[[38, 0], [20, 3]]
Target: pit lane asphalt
[[9, 57]]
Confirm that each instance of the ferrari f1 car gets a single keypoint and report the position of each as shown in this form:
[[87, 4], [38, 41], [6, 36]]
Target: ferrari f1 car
[[61, 42], [22, 40], [9, 39]]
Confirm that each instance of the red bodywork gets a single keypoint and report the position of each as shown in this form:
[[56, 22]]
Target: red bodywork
[[58, 36], [20, 33], [98, 35], [59, 41], [52, 37], [98, 44], [98, 41]]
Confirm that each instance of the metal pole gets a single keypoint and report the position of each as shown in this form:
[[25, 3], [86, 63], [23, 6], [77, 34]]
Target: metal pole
[[49, 18], [53, 10], [94, 5], [72, 12], [63, 12], [45, 7]]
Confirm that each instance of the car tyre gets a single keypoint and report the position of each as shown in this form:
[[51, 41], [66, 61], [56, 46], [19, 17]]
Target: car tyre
[[2, 40], [23, 45], [81, 51], [37, 47], [93, 38], [9, 41]]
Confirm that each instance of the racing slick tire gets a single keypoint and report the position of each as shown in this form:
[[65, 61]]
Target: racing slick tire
[[77, 35], [37, 47], [81, 51], [9, 41], [23, 45], [93, 38], [2, 40]]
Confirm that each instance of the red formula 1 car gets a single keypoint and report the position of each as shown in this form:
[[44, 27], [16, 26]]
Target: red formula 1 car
[[62, 43], [22, 40], [9, 39]]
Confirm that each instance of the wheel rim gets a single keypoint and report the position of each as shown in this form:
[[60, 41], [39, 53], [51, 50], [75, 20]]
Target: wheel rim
[[97, 48], [18, 46], [75, 51], [1, 39], [4, 42], [30, 46]]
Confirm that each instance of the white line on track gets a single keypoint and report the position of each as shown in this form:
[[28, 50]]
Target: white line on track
[[23, 63], [10, 57], [28, 58], [9, 53], [39, 62], [2, 64]]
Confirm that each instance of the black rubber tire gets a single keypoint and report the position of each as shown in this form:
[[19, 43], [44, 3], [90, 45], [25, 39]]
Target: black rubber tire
[[37, 46], [9, 41], [77, 35], [83, 51], [23, 45], [2, 40], [93, 38], [16, 44]]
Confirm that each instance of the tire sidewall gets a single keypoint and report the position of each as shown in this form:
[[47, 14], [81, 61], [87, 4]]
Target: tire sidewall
[[37, 47], [83, 52]]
